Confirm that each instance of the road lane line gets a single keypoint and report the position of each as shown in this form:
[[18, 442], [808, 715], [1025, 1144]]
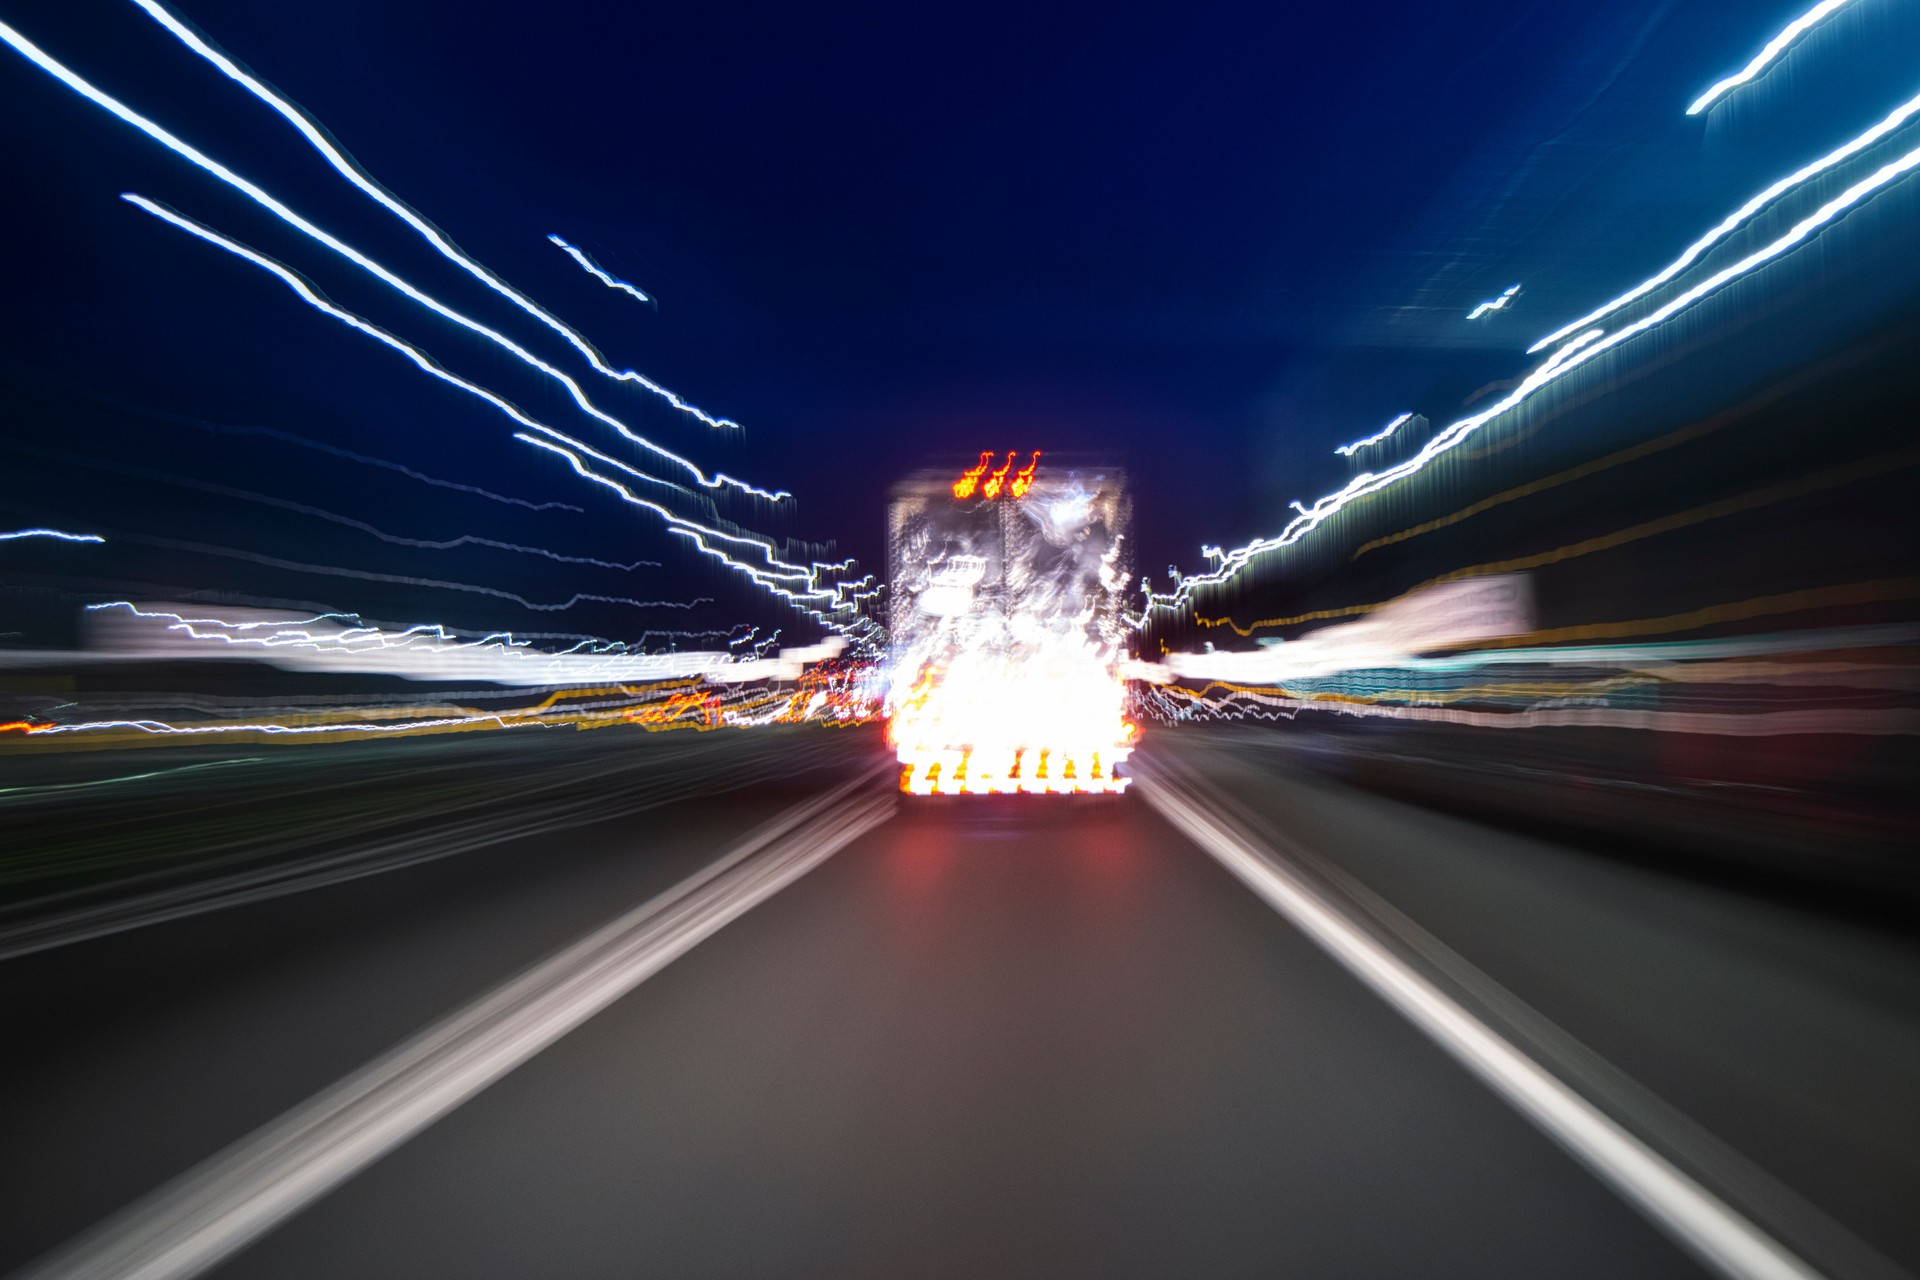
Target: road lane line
[[1706, 1226], [216, 1209]]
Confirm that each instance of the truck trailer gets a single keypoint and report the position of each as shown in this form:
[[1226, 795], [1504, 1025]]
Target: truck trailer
[[1008, 629]]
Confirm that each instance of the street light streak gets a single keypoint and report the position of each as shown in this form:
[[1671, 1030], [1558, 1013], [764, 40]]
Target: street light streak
[[425, 651], [57, 534], [1762, 60], [593, 646], [350, 170], [334, 517], [769, 578], [315, 299], [221, 428], [113, 106], [1368, 482], [1899, 116], [1495, 304], [369, 575], [587, 264], [1348, 450]]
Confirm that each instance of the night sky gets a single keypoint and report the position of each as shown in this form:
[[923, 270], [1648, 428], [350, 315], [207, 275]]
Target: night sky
[[1211, 241]]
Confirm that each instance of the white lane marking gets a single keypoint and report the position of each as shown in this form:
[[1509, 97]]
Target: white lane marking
[[1698, 1220], [213, 1211]]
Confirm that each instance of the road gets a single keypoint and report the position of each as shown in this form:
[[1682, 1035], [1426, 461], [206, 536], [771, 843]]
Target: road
[[1013, 1037]]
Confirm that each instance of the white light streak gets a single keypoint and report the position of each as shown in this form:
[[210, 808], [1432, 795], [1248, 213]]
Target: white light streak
[[98, 97], [25, 792], [1495, 304], [587, 264], [334, 517], [347, 168], [1348, 450], [344, 643], [275, 433], [1368, 482], [812, 599], [313, 298], [1899, 116], [406, 580], [1762, 60], [51, 533]]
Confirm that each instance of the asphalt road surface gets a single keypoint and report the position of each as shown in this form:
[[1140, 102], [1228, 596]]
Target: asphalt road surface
[[721, 1005]]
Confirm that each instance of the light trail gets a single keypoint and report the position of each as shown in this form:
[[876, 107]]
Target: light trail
[[1368, 482], [369, 575], [1768, 53], [1572, 345], [274, 433], [349, 169], [587, 264], [199, 159], [1733, 221], [21, 793], [1495, 304], [677, 524], [334, 517], [320, 302], [770, 579], [345, 643], [161, 729], [1348, 450], [56, 534]]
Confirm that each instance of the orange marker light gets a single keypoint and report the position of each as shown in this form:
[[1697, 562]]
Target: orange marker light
[[963, 487], [1023, 481], [998, 479]]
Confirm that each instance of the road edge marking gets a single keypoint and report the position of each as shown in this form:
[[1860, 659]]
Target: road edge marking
[[214, 1210], [1707, 1227]]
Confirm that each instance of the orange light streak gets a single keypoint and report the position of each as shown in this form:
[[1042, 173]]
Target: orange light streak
[[998, 479], [1023, 481], [963, 487]]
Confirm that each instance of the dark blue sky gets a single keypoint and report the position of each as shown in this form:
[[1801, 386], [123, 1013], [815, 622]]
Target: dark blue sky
[[1214, 240]]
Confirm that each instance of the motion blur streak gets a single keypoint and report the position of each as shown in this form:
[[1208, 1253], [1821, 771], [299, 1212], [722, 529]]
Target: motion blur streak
[[160, 728], [1495, 304], [22, 793], [319, 302], [679, 524], [1348, 450], [587, 264], [832, 599], [344, 643], [275, 433], [1762, 60], [1697, 1219], [407, 580], [50, 533], [334, 517], [1733, 221], [199, 159], [1368, 482], [192, 1224], [352, 172], [1829, 478]]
